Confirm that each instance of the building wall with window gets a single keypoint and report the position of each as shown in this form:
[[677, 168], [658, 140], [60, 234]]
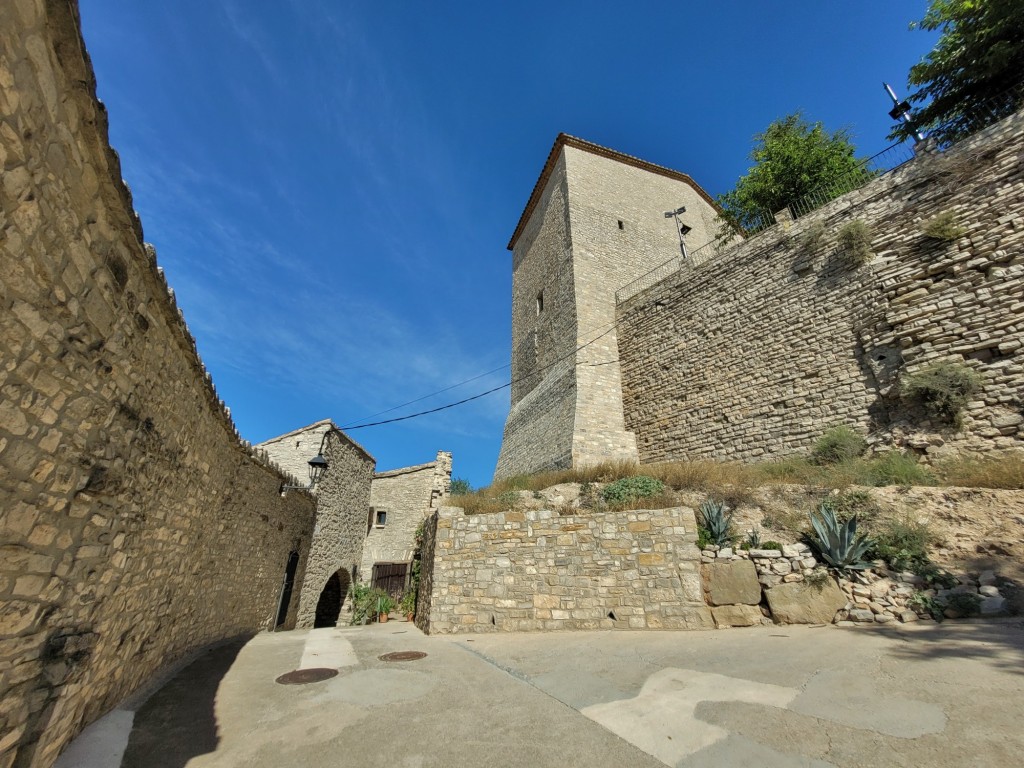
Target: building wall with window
[[342, 498], [594, 222], [400, 500]]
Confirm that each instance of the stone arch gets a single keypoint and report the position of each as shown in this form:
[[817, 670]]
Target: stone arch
[[332, 597]]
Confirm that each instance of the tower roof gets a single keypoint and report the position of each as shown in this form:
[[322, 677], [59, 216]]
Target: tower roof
[[565, 140]]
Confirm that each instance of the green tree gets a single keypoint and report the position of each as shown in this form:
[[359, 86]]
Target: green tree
[[460, 487], [791, 158], [975, 72]]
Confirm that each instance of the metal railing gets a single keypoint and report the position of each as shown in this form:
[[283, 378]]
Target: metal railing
[[888, 159], [648, 279], [967, 118]]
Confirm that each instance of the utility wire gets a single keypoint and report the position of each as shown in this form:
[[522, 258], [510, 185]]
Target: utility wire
[[482, 394], [432, 410], [438, 392]]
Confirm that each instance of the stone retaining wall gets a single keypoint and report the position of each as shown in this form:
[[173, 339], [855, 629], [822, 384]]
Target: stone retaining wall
[[535, 570], [136, 526], [760, 351]]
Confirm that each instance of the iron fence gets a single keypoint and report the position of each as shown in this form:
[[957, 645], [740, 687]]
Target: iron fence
[[648, 279], [967, 118], [889, 159]]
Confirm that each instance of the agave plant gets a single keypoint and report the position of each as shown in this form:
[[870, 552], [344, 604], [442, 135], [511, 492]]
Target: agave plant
[[716, 522], [838, 542]]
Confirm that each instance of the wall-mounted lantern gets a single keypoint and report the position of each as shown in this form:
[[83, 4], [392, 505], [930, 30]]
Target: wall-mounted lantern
[[317, 469]]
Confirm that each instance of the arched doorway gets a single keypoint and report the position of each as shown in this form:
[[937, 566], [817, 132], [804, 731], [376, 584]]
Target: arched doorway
[[286, 589], [332, 597]]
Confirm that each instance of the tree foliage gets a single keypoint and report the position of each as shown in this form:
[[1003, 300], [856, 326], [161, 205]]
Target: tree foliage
[[975, 73], [791, 158], [460, 487]]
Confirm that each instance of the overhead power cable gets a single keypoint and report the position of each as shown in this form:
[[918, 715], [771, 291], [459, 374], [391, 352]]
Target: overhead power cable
[[481, 394], [438, 392]]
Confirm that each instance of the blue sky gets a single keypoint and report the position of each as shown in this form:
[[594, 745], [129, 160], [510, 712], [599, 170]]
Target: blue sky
[[330, 186]]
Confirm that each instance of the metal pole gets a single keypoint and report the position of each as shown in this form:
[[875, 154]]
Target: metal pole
[[901, 111], [679, 229]]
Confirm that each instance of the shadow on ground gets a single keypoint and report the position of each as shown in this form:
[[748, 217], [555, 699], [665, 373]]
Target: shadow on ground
[[999, 643], [179, 722]]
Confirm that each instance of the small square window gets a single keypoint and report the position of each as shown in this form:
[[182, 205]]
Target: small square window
[[540, 302], [381, 519], [621, 225]]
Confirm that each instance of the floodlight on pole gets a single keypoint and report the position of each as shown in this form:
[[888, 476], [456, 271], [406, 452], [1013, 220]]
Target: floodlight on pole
[[901, 111], [683, 229]]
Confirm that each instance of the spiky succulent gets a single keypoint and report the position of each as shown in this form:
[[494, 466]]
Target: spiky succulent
[[716, 522], [838, 543]]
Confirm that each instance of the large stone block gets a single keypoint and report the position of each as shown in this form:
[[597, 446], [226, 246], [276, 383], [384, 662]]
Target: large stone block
[[696, 617], [803, 603], [736, 615], [733, 583]]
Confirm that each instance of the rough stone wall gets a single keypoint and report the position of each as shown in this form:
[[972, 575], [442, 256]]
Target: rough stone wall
[[426, 585], [602, 193], [136, 526], [538, 431], [760, 351], [342, 499], [535, 570], [598, 224], [408, 495]]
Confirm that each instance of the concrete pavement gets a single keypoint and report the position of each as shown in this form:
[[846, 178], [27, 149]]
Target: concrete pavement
[[937, 695]]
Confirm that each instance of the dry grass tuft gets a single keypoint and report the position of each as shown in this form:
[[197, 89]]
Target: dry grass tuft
[[737, 483], [604, 472], [1006, 471]]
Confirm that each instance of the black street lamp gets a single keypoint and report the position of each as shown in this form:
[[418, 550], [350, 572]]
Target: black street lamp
[[683, 229]]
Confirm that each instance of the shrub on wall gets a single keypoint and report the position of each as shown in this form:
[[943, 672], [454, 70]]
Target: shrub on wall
[[714, 525], [836, 445], [903, 544], [629, 489], [943, 227], [943, 389], [855, 240], [811, 238], [838, 542]]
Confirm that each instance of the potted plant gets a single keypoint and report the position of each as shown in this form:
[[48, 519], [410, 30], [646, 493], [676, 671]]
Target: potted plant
[[408, 604], [385, 604]]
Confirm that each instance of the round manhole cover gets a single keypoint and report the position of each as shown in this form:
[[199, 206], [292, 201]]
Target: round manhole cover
[[303, 676], [402, 656]]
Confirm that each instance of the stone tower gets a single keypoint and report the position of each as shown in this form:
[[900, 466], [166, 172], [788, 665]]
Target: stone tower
[[594, 222]]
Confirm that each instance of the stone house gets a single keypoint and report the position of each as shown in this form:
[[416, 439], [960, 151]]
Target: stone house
[[365, 522], [342, 498], [595, 220], [400, 500]]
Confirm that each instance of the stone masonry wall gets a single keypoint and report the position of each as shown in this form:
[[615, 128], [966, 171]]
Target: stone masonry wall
[[761, 350], [619, 232], [409, 495], [136, 526], [538, 431], [535, 570], [342, 498], [596, 222]]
